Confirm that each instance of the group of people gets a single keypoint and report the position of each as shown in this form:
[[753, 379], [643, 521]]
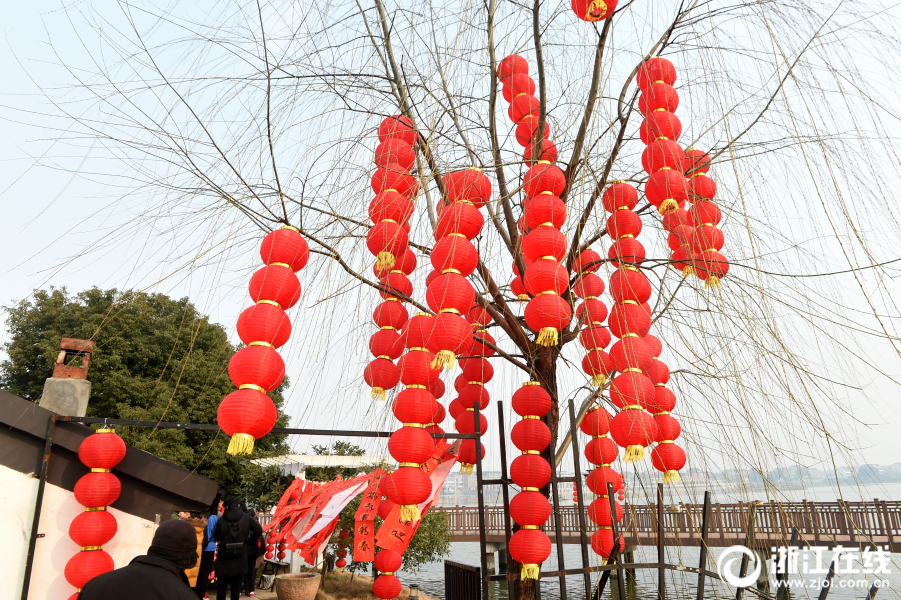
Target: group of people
[[183, 554]]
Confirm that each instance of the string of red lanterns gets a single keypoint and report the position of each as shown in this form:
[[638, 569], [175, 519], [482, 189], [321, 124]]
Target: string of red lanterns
[[529, 508], [387, 585], [390, 211], [601, 451], [342, 549], [592, 311], [96, 526], [248, 413], [707, 239]]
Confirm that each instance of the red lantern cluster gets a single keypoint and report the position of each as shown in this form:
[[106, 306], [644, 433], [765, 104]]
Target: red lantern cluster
[[594, 10], [592, 313], [679, 177], [387, 585], [667, 456], [529, 508], [342, 549], [629, 321], [470, 385], [248, 413], [601, 451], [95, 527], [390, 213], [270, 544], [543, 246]]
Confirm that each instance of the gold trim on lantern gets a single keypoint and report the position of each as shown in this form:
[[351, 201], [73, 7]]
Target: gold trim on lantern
[[667, 441], [600, 496], [388, 221], [387, 573], [419, 348], [632, 302], [389, 298], [597, 437], [450, 310], [90, 548], [446, 271], [272, 302], [618, 208], [633, 370], [604, 465], [473, 169], [295, 229], [546, 293], [531, 452], [531, 417], [396, 271], [530, 526], [422, 314], [104, 430], [528, 489], [280, 264], [659, 110], [628, 268], [392, 190], [475, 383], [627, 235], [546, 224], [710, 250], [521, 94], [456, 235], [251, 386], [630, 335], [408, 464], [472, 410], [659, 384], [416, 386], [532, 383], [663, 412], [388, 327], [101, 470], [419, 425], [706, 225], [605, 527], [632, 407], [547, 258], [431, 424], [267, 344], [665, 169], [93, 508]]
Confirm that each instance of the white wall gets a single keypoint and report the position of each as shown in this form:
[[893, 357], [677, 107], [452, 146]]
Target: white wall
[[17, 495]]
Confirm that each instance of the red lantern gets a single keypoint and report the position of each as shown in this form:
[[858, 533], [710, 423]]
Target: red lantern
[[522, 106], [437, 390], [623, 223], [602, 542], [663, 154], [545, 209], [631, 389], [98, 489], [594, 336], [511, 65], [596, 422], [86, 565], [599, 511], [395, 151], [469, 185], [408, 487], [386, 241], [664, 400], [599, 478], [478, 316], [630, 286], [594, 10], [275, 284], [530, 547], [246, 415], [386, 586], [516, 84], [711, 266], [697, 161], [527, 130], [257, 367], [601, 450], [548, 314], [381, 375], [451, 335], [411, 445], [531, 399], [598, 365], [701, 187], [658, 96], [530, 434], [459, 217], [634, 430], [415, 368], [618, 196], [394, 177], [667, 190], [544, 177], [477, 369], [588, 286], [386, 343], [455, 253], [285, 246], [546, 276], [629, 318], [588, 261], [668, 458], [480, 341], [660, 125], [264, 323], [413, 405], [104, 449], [655, 70], [450, 292], [93, 528], [396, 285], [544, 242], [548, 151], [530, 508], [398, 127], [390, 314], [705, 213], [668, 427], [592, 311], [530, 470], [627, 250]]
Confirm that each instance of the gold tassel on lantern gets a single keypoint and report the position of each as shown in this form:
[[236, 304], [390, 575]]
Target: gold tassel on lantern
[[385, 260], [378, 394], [241, 443], [409, 512], [634, 453], [688, 270], [529, 572], [465, 468], [547, 336], [712, 281], [671, 477], [444, 358], [598, 380]]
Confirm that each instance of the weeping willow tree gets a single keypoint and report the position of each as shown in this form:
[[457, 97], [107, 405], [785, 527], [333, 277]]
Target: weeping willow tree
[[222, 125]]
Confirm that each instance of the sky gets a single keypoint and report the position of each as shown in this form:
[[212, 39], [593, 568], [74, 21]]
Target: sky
[[58, 228]]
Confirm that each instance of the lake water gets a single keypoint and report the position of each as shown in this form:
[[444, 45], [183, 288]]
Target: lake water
[[847, 585]]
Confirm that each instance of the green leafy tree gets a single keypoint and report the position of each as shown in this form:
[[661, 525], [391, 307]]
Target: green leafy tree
[[339, 448], [262, 487], [154, 358]]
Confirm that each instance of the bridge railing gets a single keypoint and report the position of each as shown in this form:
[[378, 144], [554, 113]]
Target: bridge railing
[[816, 522]]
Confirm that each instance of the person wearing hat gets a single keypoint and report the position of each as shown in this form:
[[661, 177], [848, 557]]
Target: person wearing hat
[[233, 532], [158, 574]]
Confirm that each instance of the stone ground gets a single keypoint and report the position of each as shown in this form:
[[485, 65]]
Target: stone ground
[[338, 586]]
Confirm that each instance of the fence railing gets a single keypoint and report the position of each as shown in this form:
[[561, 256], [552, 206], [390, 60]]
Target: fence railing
[[461, 582]]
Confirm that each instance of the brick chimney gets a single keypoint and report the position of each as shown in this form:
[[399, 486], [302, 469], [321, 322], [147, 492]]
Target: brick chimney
[[68, 391]]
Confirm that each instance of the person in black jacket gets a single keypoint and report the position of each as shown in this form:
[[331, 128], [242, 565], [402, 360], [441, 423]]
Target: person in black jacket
[[233, 532], [158, 574], [253, 552]]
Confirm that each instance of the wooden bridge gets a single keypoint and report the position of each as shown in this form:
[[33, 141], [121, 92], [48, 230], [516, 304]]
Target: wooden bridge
[[850, 524]]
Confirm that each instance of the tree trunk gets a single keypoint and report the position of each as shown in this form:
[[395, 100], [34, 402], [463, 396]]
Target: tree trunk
[[545, 372]]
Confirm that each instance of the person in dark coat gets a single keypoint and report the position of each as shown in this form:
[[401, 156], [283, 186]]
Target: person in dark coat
[[253, 552], [158, 574], [230, 571]]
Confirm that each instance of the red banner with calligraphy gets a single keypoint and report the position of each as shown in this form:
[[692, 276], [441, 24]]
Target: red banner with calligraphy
[[364, 520]]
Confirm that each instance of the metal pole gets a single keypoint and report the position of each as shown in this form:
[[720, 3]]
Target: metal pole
[[749, 543], [661, 551], [580, 503], [702, 561], [620, 584], [39, 501], [483, 582], [558, 533], [505, 490]]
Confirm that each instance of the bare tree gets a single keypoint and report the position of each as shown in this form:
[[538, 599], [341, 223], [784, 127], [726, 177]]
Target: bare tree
[[263, 113]]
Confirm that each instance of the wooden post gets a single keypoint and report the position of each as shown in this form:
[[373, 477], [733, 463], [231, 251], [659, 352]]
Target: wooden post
[[661, 548], [505, 492], [782, 578], [815, 520], [580, 504], [749, 543], [722, 526], [481, 500], [827, 583], [888, 526], [558, 525], [614, 554], [702, 561]]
